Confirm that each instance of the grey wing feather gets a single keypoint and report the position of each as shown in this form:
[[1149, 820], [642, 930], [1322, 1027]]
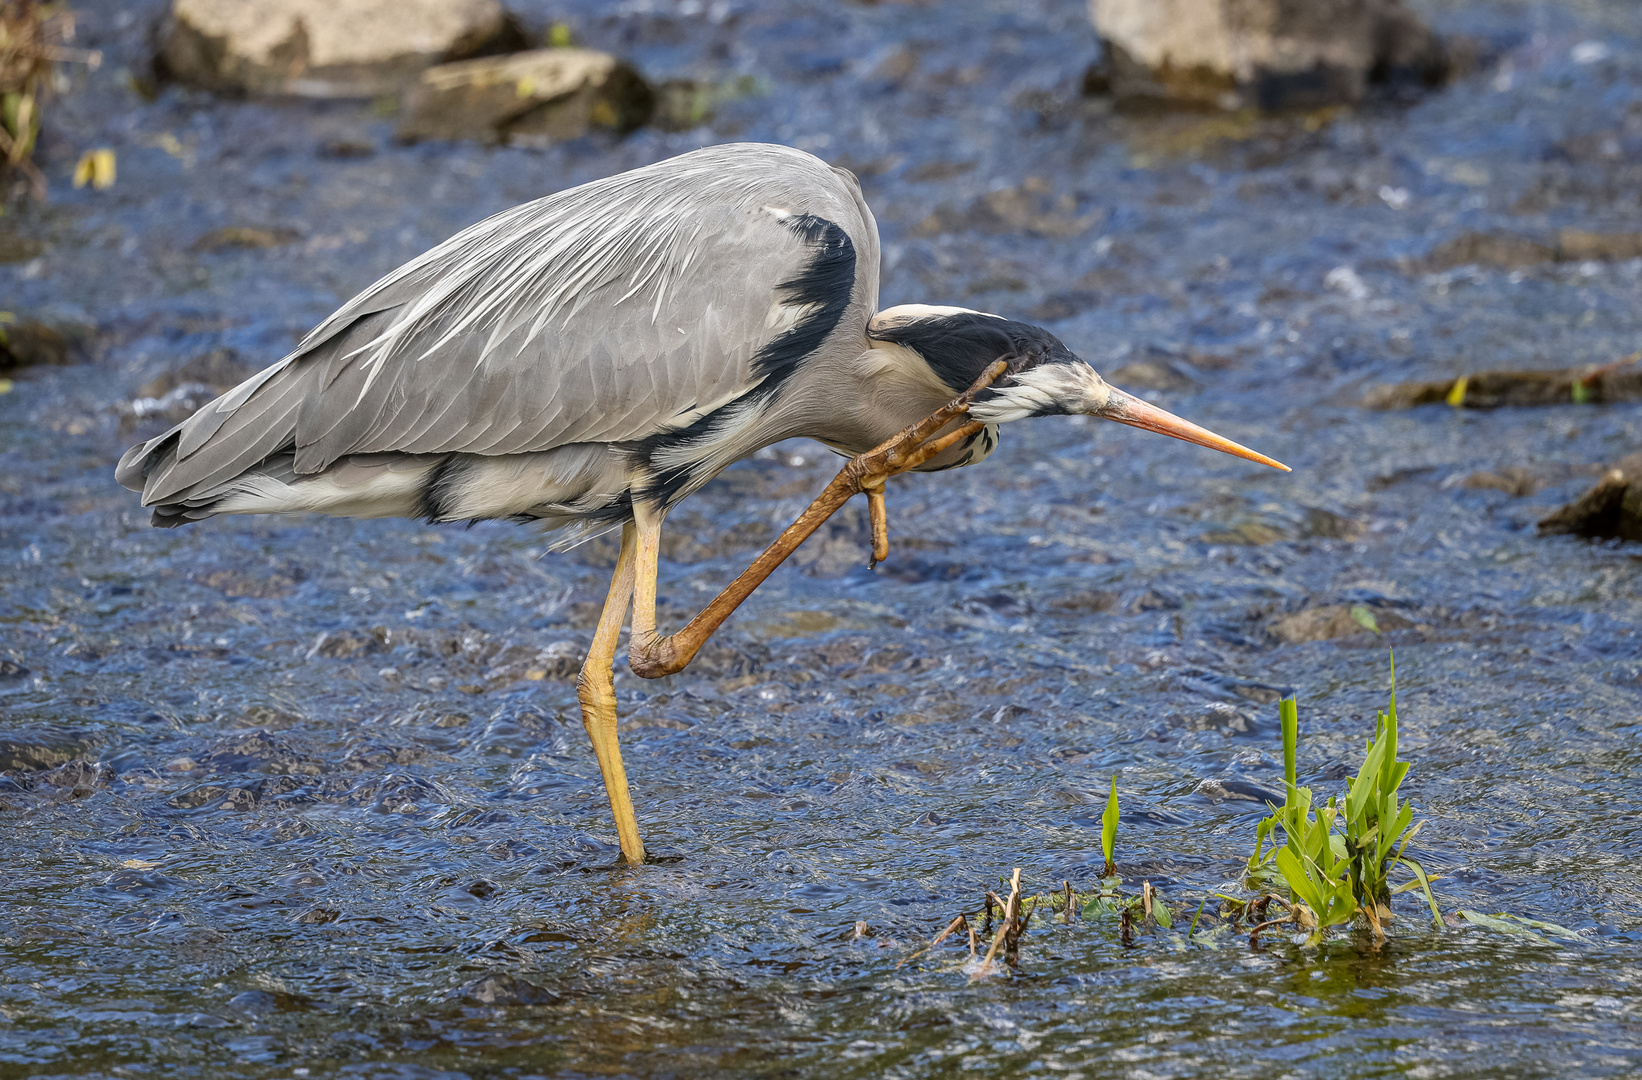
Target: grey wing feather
[[604, 313]]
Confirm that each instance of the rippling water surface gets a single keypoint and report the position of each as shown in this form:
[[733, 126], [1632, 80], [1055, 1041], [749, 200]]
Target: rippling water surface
[[311, 798]]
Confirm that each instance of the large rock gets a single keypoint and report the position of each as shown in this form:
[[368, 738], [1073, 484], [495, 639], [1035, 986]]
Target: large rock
[[1613, 508], [1270, 54], [1335, 621], [325, 48], [546, 94], [30, 342], [1510, 251]]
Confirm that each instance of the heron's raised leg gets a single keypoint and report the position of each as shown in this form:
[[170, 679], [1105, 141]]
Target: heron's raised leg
[[596, 690], [651, 656]]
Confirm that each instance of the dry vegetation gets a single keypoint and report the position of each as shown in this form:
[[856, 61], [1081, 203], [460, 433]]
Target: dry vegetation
[[34, 38]]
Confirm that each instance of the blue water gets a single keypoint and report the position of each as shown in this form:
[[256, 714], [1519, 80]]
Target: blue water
[[285, 793]]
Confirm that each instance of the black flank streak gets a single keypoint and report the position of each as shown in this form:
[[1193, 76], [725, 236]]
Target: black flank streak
[[666, 486], [614, 512], [438, 489], [826, 284], [959, 347]]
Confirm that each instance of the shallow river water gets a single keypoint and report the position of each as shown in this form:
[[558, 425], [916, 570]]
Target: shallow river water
[[311, 797]]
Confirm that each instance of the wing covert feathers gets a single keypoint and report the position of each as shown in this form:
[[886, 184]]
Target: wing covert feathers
[[607, 313]]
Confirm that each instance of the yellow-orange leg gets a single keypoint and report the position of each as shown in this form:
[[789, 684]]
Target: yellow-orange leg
[[880, 523], [596, 689], [651, 656]]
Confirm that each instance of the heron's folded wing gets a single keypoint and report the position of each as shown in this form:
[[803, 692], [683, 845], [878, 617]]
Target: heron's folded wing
[[605, 313]]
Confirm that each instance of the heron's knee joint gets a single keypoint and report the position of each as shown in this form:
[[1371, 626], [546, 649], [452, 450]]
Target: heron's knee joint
[[652, 667], [595, 686], [655, 658]]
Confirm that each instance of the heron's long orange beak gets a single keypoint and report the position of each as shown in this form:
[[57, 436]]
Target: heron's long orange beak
[[1128, 409]]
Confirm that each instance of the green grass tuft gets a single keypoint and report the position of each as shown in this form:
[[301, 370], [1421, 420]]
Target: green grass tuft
[[1108, 828], [1336, 861]]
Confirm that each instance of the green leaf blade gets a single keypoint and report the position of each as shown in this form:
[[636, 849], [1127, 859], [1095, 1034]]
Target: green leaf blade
[[1108, 825]]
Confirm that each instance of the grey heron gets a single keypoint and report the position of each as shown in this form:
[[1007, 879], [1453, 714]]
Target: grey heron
[[589, 359]]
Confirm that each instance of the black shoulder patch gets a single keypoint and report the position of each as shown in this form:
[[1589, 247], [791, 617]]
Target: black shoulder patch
[[827, 282], [959, 347]]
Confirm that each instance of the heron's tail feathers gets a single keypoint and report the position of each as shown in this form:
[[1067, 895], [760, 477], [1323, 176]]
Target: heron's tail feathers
[[367, 485], [180, 482]]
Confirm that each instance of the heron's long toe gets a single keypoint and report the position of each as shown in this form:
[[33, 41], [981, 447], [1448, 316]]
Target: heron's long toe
[[915, 445], [880, 524]]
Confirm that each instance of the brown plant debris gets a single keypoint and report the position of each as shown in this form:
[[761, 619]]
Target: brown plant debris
[[1594, 384], [1010, 927]]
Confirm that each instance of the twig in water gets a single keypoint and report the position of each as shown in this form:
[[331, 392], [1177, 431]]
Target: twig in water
[[960, 923], [1068, 886], [1009, 913], [1012, 937], [956, 924], [1254, 935]]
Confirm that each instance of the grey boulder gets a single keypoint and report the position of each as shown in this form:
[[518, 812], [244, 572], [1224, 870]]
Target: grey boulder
[[545, 95], [1269, 54], [325, 48]]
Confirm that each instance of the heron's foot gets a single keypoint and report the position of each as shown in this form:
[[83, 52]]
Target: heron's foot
[[915, 445], [910, 449], [651, 655]]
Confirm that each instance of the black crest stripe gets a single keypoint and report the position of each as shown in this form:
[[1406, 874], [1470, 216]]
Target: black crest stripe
[[958, 347]]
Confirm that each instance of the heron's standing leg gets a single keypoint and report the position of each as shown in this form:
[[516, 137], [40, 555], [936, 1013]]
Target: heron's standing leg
[[596, 689], [647, 522]]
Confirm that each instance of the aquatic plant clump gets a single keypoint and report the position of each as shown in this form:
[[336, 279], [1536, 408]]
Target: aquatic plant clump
[[1336, 862], [1333, 861]]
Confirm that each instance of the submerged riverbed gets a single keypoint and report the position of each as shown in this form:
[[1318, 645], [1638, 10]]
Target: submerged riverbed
[[311, 797]]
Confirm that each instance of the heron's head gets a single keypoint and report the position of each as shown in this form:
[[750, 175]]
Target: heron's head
[[1045, 378]]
